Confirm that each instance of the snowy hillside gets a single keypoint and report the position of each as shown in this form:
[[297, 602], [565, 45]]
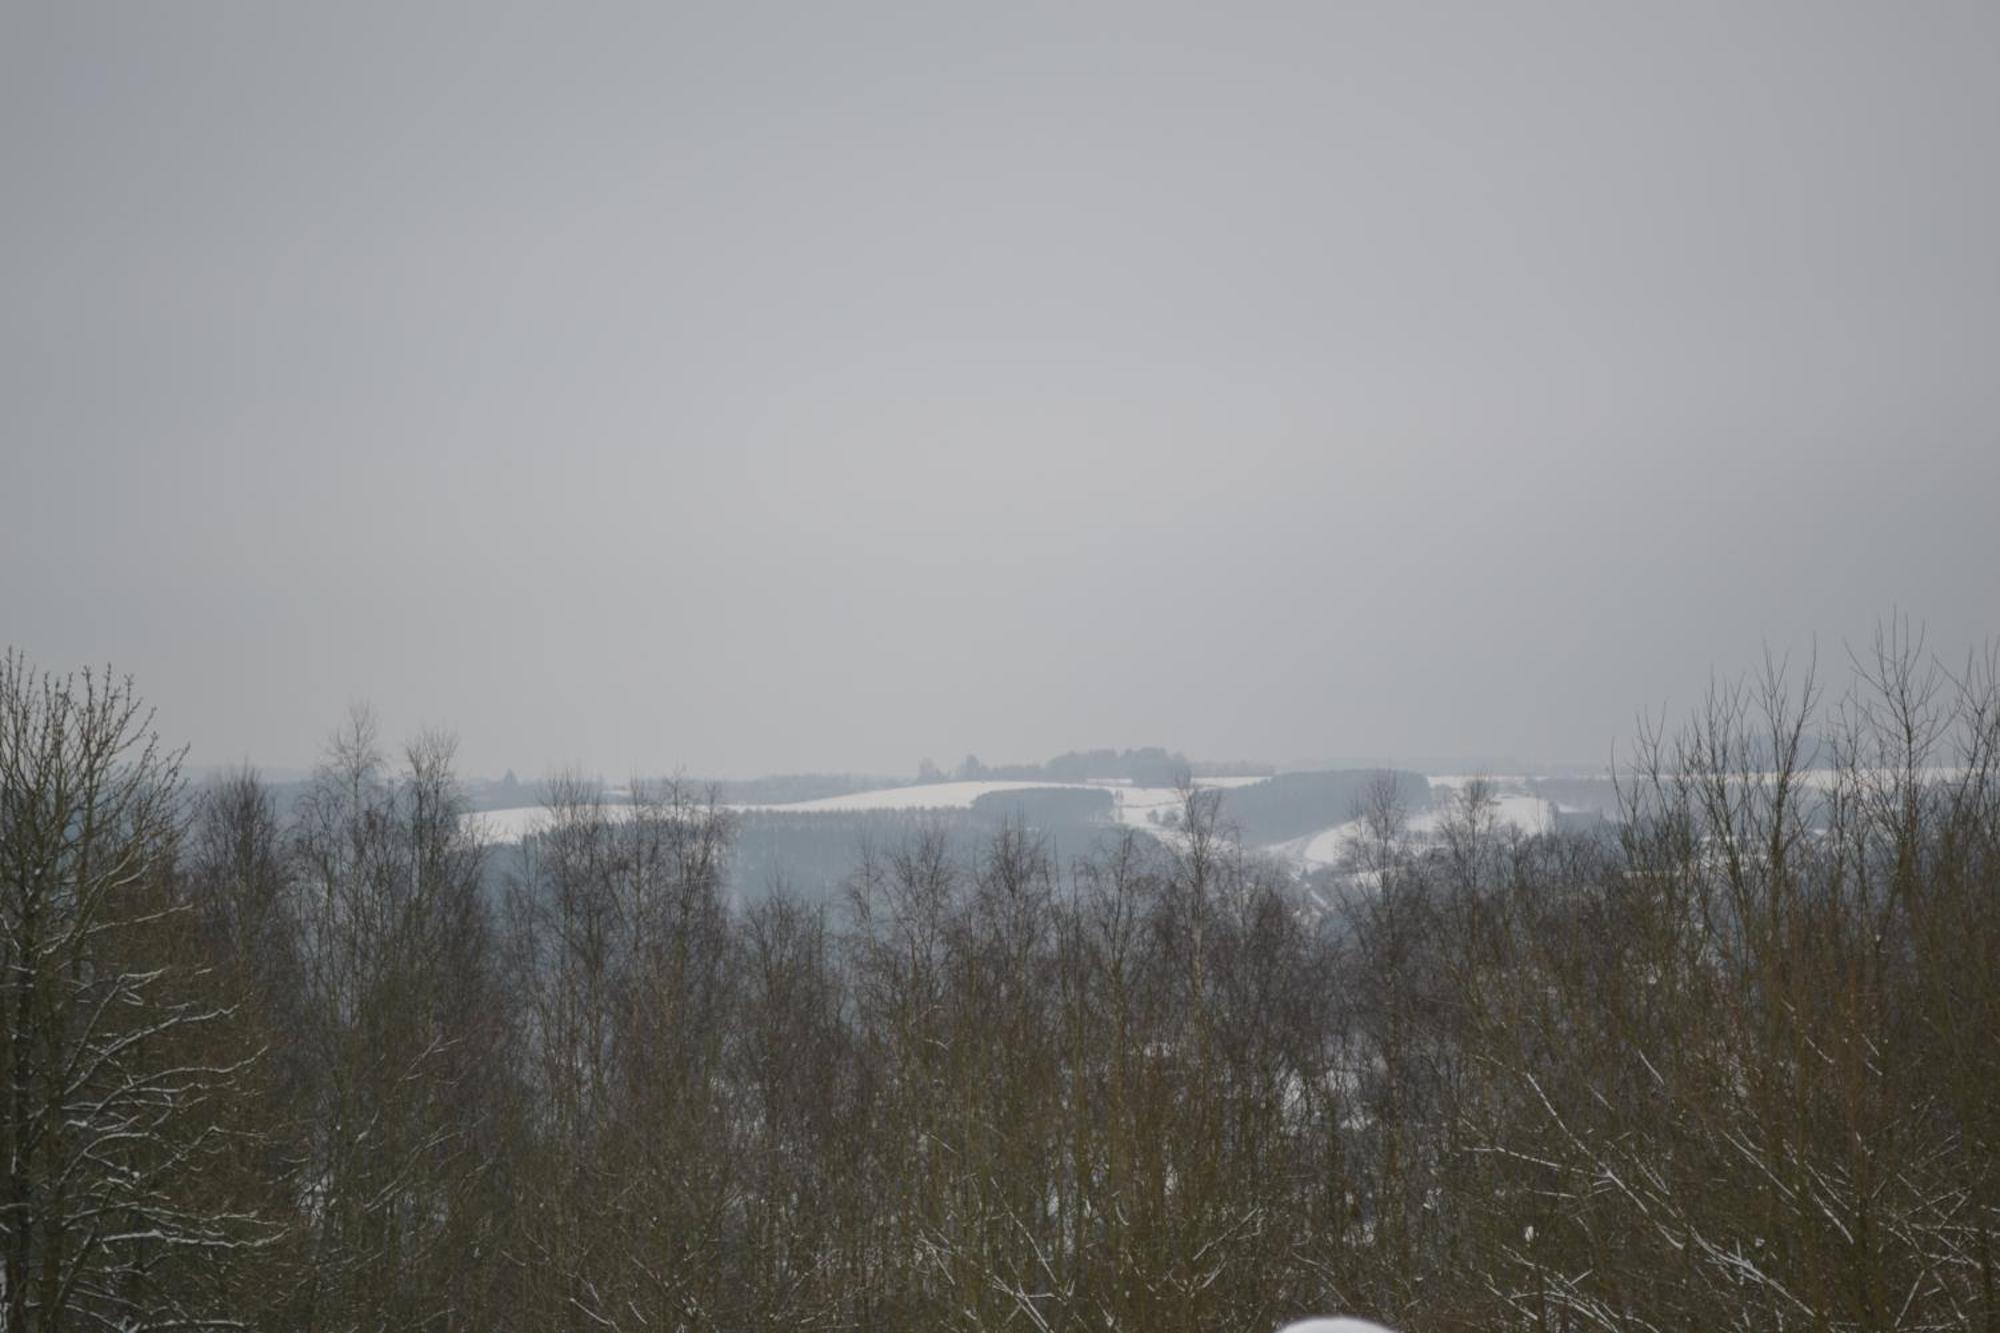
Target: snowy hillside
[[1139, 807]]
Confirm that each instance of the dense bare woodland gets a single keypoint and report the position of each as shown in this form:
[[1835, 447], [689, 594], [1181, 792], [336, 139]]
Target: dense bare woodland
[[297, 1069]]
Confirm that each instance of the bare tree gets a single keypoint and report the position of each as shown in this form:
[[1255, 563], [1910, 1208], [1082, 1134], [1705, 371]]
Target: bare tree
[[406, 1028], [112, 1087]]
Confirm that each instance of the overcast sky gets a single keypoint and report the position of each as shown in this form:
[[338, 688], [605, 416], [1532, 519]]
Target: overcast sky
[[826, 386]]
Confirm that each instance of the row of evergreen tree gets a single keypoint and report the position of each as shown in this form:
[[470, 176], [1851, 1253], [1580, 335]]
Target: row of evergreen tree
[[297, 1068]]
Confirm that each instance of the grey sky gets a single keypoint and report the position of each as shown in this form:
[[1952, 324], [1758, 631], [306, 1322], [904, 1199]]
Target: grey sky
[[826, 386]]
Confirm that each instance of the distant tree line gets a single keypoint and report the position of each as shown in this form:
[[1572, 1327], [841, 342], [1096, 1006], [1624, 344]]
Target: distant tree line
[[1149, 766], [783, 789], [294, 1068], [1292, 805], [812, 855]]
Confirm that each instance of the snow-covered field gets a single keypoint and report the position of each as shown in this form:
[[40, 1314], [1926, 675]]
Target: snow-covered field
[[1135, 806], [1515, 809], [1147, 808], [516, 823], [925, 796]]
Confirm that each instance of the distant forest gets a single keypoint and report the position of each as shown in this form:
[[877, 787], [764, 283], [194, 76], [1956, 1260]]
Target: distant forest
[[1295, 804], [1150, 766], [813, 856], [328, 1062]]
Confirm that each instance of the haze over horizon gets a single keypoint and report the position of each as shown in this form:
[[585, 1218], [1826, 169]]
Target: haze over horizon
[[747, 389]]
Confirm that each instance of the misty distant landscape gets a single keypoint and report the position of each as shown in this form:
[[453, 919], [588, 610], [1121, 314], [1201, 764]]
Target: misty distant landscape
[[811, 847], [1094, 668]]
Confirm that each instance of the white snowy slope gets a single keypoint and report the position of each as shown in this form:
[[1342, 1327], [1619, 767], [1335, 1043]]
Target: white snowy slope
[[925, 796], [1516, 809], [1139, 807], [517, 822]]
